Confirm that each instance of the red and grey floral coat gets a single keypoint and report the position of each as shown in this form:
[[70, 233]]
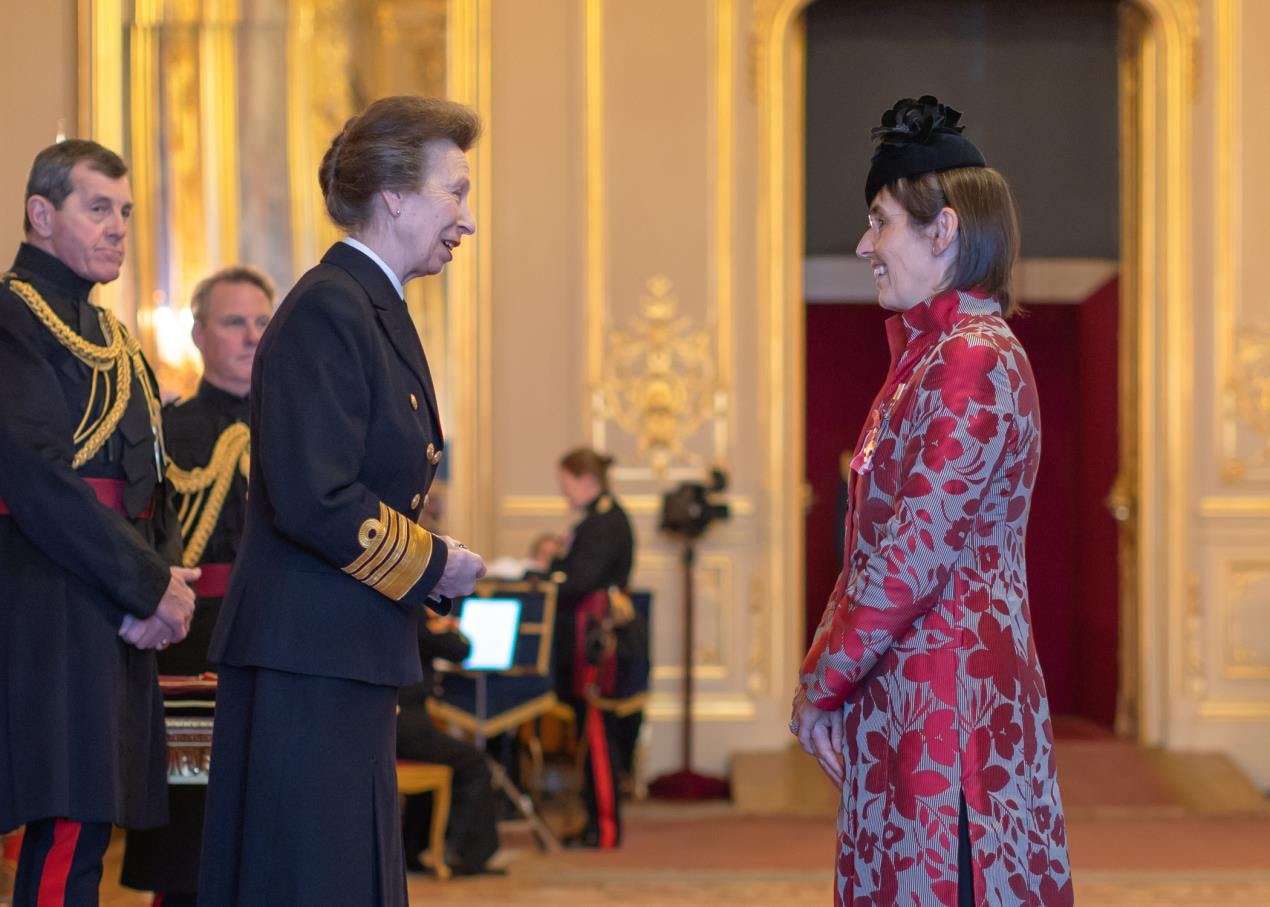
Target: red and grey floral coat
[[926, 643]]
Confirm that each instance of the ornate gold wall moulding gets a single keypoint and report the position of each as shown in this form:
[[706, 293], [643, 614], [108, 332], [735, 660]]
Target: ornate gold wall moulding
[[760, 657], [659, 381], [1194, 627], [705, 707], [1230, 507], [642, 505], [714, 580], [1235, 710], [1245, 603], [1249, 388]]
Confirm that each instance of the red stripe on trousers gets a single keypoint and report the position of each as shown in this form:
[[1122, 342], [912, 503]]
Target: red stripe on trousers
[[601, 772], [57, 865], [158, 901]]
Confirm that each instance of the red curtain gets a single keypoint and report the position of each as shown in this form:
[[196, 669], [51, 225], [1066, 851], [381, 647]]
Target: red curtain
[[1072, 543]]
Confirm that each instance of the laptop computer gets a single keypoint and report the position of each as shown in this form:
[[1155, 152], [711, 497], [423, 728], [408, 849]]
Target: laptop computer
[[492, 625]]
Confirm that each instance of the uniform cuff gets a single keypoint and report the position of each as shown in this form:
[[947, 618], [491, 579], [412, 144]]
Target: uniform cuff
[[398, 556]]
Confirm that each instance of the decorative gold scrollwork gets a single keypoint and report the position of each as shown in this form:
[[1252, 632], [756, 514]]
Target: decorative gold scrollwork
[[660, 380], [1249, 384]]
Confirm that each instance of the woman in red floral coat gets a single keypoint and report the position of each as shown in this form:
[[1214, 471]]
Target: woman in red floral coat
[[922, 694]]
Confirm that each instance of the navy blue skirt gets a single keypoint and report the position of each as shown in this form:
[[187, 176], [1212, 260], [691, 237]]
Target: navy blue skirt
[[302, 800]]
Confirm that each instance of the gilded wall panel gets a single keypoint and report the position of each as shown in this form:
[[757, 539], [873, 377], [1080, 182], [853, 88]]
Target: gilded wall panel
[[713, 582], [1244, 602]]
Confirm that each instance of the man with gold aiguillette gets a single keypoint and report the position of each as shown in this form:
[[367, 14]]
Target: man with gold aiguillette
[[86, 539], [207, 440]]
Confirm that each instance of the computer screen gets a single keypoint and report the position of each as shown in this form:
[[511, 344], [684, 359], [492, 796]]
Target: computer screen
[[492, 625]]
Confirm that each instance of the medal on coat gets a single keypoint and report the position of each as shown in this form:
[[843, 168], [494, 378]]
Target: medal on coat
[[862, 462]]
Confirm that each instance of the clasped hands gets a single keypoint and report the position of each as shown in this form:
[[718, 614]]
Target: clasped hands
[[820, 733], [170, 622]]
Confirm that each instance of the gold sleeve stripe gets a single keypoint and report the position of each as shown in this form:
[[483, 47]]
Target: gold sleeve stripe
[[393, 548], [396, 551]]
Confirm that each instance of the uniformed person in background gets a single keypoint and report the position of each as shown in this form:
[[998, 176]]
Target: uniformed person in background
[[599, 554], [207, 440], [87, 538], [319, 625]]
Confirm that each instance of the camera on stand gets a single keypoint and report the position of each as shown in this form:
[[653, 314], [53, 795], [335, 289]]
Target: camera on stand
[[686, 513], [688, 510]]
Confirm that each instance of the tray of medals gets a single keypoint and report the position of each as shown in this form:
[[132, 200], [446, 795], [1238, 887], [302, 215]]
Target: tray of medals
[[189, 706]]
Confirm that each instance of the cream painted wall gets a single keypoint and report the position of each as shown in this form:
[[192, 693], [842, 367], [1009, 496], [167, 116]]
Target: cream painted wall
[[38, 75]]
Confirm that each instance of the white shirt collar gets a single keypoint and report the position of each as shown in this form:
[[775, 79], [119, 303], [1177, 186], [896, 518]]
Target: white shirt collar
[[374, 256]]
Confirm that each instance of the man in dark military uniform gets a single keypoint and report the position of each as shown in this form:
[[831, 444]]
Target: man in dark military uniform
[[86, 539], [207, 440]]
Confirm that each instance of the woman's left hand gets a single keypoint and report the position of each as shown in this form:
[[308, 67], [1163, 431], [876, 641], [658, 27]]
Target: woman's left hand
[[820, 733]]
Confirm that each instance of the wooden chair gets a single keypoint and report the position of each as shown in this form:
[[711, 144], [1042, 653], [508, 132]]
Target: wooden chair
[[427, 777]]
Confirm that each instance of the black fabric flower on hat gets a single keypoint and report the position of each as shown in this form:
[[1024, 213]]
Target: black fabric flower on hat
[[916, 137], [917, 121]]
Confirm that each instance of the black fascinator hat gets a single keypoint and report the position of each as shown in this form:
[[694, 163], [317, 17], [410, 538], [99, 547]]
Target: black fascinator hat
[[916, 137]]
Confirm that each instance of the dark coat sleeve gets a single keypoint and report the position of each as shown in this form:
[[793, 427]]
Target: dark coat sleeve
[[315, 398], [51, 505], [587, 563], [599, 557]]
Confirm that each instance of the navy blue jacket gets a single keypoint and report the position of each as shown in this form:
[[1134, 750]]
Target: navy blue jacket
[[345, 441]]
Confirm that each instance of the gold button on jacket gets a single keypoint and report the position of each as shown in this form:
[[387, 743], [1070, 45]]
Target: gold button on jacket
[[414, 402], [414, 502]]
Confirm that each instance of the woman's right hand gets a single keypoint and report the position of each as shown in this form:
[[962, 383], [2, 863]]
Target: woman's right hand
[[463, 567], [820, 733]]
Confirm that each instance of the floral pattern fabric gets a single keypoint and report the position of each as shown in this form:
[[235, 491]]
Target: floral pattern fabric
[[926, 643]]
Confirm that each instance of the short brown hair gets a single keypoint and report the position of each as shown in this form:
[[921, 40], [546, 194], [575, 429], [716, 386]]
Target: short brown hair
[[232, 274], [51, 171], [383, 148], [584, 461], [988, 242]]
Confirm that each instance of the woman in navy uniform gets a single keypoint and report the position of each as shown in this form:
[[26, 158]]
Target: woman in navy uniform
[[599, 556], [318, 627]]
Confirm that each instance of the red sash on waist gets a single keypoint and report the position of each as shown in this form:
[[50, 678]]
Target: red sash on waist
[[214, 580], [110, 493]]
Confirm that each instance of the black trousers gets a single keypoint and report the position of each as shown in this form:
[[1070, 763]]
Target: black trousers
[[472, 832], [60, 863]]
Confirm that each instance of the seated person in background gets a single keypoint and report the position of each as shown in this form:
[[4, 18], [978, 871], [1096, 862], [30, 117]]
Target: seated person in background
[[471, 837], [544, 550]]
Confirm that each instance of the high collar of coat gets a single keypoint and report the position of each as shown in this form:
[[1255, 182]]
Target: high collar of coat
[[383, 295], [931, 319]]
